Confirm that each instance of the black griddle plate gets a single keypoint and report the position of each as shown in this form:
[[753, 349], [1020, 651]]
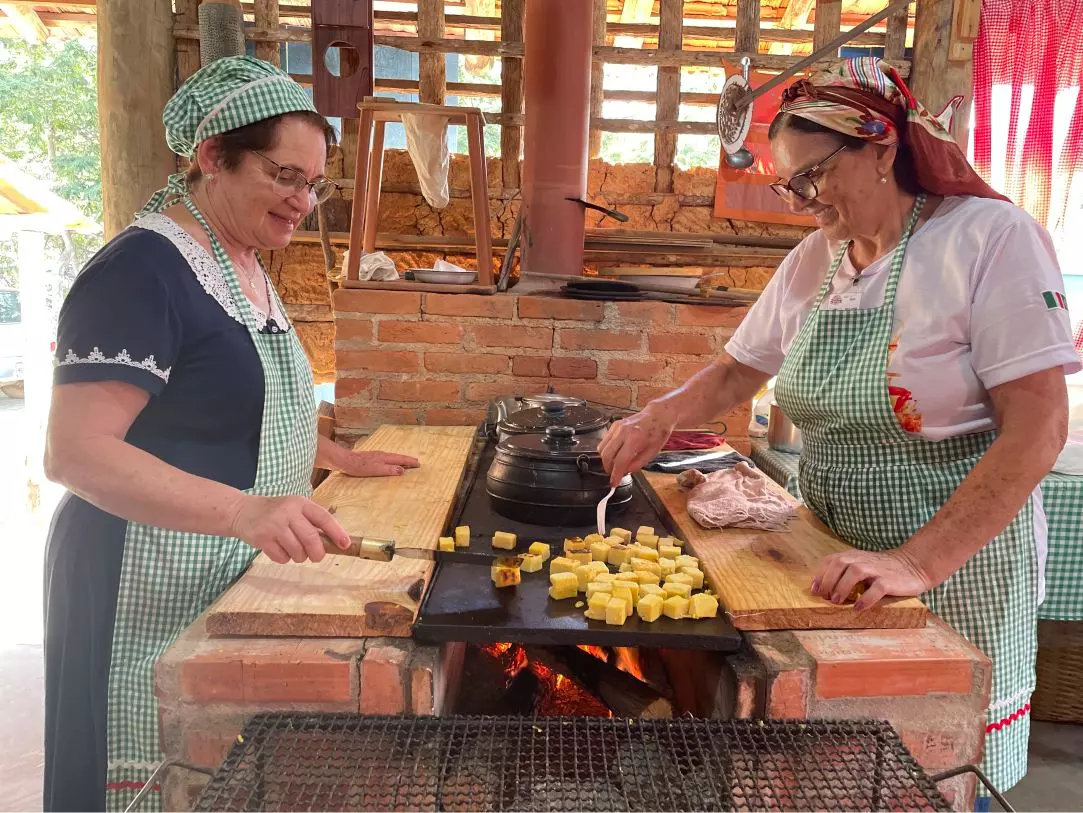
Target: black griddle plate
[[462, 604]]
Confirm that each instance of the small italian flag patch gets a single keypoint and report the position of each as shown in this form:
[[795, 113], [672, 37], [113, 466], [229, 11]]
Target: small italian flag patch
[[1054, 300]]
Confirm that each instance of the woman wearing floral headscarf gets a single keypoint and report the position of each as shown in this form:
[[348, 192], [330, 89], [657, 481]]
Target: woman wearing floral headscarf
[[920, 340], [183, 423]]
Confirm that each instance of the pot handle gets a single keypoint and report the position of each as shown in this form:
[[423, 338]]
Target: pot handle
[[583, 464]]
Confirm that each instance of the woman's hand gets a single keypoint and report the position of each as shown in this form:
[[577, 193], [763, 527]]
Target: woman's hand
[[632, 443], [887, 573], [287, 528], [376, 464]]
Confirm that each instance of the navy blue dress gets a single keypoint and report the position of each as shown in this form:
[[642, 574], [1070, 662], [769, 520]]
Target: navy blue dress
[[150, 309]]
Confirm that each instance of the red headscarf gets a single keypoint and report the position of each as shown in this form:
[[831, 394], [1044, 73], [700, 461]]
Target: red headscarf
[[866, 98]]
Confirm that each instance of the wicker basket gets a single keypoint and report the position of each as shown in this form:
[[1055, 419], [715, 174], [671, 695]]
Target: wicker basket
[[1057, 697]]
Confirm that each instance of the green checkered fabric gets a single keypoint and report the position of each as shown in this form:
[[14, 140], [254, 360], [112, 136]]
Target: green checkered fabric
[[1062, 496], [875, 486], [229, 93], [779, 466], [168, 578]]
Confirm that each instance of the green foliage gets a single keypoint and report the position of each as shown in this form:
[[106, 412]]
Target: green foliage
[[49, 125]]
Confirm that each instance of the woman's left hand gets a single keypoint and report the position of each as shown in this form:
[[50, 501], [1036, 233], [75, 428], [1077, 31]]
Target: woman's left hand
[[888, 573], [376, 464]]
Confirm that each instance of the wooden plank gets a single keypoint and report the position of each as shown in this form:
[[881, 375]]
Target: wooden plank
[[479, 189], [895, 38], [597, 78], [26, 22], [668, 83], [432, 66], [795, 16], [762, 577], [266, 16], [187, 15], [511, 93], [345, 597], [748, 26], [372, 189], [428, 287], [828, 23], [936, 77]]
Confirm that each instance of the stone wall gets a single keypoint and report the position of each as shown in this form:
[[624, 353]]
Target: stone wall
[[438, 359]]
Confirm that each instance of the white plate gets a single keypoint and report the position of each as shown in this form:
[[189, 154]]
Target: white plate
[[445, 277]]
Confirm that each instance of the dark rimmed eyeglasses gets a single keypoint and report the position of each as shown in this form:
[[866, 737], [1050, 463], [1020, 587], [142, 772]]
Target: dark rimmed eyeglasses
[[802, 184], [289, 181]]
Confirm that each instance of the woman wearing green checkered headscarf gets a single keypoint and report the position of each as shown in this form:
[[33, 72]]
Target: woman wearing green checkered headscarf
[[183, 423]]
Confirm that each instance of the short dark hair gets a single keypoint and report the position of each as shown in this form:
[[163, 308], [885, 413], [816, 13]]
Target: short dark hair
[[261, 136], [903, 168]]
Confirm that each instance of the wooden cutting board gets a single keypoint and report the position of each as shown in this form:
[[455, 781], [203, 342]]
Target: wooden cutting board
[[762, 577], [346, 597]]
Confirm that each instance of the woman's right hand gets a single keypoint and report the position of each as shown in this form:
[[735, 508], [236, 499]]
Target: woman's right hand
[[287, 528], [632, 443]]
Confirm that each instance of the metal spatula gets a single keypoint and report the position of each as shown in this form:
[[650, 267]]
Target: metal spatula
[[384, 550]]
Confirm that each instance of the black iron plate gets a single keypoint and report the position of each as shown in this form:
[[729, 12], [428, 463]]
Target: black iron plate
[[462, 604]]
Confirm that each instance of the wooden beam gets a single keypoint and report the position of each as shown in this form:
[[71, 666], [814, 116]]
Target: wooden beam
[[26, 22], [485, 9], [597, 77], [795, 15], [188, 59], [432, 64], [828, 23], [511, 95], [634, 12], [895, 38], [266, 16], [667, 104], [748, 26], [934, 77], [135, 80]]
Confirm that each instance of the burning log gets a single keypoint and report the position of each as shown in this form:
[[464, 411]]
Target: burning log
[[620, 691]]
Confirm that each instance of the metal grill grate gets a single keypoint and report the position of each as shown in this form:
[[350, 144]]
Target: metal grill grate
[[347, 762]]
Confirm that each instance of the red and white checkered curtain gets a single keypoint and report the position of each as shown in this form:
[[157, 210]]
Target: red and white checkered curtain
[[1028, 108]]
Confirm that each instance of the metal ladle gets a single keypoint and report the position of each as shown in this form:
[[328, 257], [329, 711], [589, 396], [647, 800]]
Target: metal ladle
[[743, 158]]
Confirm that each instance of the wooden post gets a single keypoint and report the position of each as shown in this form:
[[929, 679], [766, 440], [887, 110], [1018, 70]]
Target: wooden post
[[266, 16], [187, 50], [597, 78], [828, 22], [667, 102], [895, 37], [135, 80], [372, 188], [432, 66], [511, 93], [360, 192], [479, 193], [934, 78], [748, 27]]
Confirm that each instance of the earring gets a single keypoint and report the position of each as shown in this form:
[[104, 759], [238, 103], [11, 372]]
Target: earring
[[210, 177], [883, 180]]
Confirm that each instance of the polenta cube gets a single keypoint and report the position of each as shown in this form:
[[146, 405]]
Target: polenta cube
[[675, 607], [644, 530], [599, 551], [562, 564], [618, 555], [505, 576], [532, 563], [686, 561], [585, 573], [504, 540], [540, 549], [616, 611], [596, 606], [592, 539], [563, 585], [650, 554], [598, 587], [446, 543], [462, 536], [582, 557], [605, 578], [625, 595], [646, 577], [651, 590], [648, 541], [649, 608], [626, 567], [646, 565], [677, 589], [575, 543], [667, 566], [613, 540], [632, 587], [703, 605], [668, 551], [623, 534], [695, 574], [683, 578]]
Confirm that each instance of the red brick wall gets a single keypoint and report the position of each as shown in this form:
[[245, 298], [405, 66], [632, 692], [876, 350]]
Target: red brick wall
[[404, 357]]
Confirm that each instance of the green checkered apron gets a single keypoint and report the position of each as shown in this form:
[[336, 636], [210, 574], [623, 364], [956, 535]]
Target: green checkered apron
[[169, 578], [875, 485]]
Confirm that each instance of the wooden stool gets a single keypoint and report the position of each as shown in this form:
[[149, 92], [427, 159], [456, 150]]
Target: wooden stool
[[369, 174]]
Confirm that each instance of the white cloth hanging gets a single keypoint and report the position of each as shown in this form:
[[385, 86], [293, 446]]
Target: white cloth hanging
[[426, 141]]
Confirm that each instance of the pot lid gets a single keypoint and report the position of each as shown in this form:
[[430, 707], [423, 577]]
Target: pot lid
[[552, 398], [579, 418], [556, 443]]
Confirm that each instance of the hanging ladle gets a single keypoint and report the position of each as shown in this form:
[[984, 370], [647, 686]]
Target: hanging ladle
[[734, 115]]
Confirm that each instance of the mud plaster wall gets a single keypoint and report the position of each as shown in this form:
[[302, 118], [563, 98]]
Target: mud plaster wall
[[299, 273]]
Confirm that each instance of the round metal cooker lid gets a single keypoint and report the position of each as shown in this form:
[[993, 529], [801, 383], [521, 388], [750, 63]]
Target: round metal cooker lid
[[581, 419], [557, 443]]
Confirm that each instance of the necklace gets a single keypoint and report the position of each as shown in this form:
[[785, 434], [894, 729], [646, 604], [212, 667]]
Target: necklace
[[272, 325]]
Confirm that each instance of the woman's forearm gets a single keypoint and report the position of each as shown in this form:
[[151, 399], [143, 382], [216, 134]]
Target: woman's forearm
[[713, 391], [127, 482], [985, 502], [329, 455]]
